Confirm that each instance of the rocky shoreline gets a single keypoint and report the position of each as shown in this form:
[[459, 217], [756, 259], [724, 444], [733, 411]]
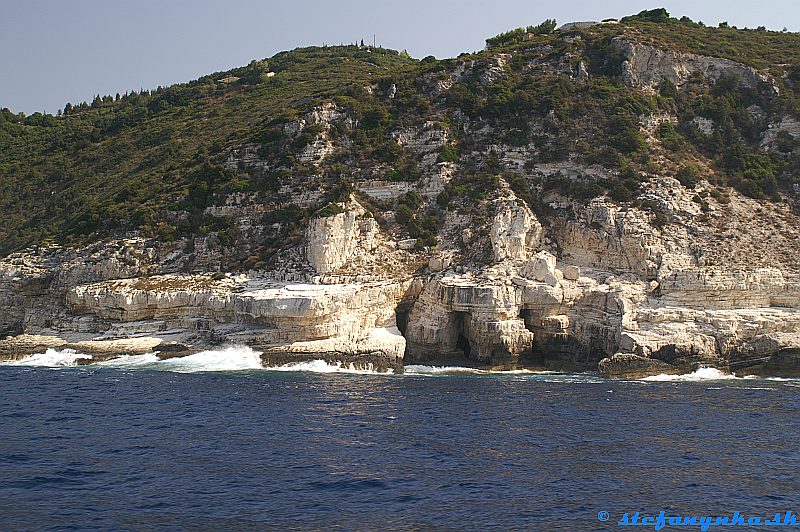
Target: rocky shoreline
[[621, 298]]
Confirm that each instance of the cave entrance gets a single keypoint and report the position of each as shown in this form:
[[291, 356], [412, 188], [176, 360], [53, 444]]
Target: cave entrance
[[401, 316], [526, 315], [463, 344], [461, 330]]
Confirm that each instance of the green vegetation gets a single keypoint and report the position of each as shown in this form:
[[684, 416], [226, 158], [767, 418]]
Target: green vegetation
[[329, 210], [758, 48], [130, 160], [419, 226], [159, 162], [659, 15], [520, 34]]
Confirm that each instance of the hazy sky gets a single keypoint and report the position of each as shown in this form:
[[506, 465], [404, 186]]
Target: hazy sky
[[55, 51]]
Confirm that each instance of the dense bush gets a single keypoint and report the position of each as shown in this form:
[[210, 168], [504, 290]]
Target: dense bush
[[688, 175]]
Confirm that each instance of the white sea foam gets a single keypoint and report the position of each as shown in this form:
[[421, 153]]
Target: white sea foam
[[700, 374], [320, 366], [127, 361], [234, 358], [54, 358], [418, 369], [783, 379], [243, 358]]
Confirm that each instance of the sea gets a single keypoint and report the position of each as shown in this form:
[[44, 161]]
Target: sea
[[215, 442]]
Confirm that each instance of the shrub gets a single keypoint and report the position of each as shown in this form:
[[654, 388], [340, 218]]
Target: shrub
[[659, 15], [667, 89], [688, 175], [330, 209], [670, 138], [448, 154]]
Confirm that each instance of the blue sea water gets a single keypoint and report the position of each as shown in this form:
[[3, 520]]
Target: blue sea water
[[141, 445]]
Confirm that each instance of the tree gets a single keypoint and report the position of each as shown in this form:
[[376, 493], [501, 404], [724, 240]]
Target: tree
[[659, 15], [544, 28], [667, 89], [253, 74]]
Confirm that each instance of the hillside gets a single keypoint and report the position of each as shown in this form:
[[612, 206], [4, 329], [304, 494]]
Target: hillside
[[120, 161], [152, 162]]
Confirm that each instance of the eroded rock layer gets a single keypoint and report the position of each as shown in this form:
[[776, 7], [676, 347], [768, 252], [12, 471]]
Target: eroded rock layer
[[613, 294]]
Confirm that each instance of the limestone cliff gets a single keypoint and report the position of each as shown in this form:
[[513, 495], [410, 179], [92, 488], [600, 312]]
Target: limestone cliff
[[614, 291]]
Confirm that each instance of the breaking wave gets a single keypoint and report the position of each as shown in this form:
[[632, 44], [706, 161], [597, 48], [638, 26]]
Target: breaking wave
[[243, 358], [236, 358], [419, 369], [700, 374], [128, 361], [320, 366], [53, 358]]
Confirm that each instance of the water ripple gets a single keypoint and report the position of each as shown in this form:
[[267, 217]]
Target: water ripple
[[107, 448]]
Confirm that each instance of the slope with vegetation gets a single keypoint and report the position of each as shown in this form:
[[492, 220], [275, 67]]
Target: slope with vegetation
[[164, 163]]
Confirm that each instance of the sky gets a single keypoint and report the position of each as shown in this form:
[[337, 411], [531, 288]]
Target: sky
[[57, 51]]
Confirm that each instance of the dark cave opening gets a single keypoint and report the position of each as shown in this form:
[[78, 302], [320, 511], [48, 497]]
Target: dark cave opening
[[526, 315], [401, 316], [463, 344]]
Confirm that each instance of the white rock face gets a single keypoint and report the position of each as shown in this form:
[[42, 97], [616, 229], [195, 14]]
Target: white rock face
[[455, 316], [278, 317], [715, 286], [425, 141], [705, 125], [787, 126], [316, 151], [515, 230], [690, 315], [646, 66], [334, 240]]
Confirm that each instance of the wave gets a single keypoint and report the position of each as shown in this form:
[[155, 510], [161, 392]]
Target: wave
[[418, 369], [53, 358], [243, 358], [236, 358], [700, 374], [320, 366], [127, 361]]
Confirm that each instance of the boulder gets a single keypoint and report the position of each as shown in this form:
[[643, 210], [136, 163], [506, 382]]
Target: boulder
[[539, 267], [572, 273]]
